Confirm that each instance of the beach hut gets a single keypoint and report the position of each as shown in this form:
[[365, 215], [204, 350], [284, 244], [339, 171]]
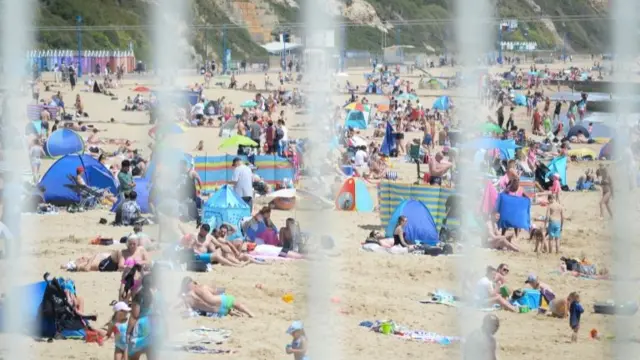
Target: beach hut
[[225, 206], [354, 195], [357, 119], [56, 181], [63, 142], [421, 227]]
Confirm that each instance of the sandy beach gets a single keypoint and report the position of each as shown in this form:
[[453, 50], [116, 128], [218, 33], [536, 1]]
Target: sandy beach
[[368, 286]]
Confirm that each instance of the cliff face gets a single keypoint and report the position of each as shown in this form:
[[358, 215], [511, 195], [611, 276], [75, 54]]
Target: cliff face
[[254, 21]]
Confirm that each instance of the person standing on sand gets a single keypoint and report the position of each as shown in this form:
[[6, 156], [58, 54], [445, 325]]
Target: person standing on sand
[[437, 169], [607, 191], [575, 312], [555, 222], [242, 181], [481, 344]]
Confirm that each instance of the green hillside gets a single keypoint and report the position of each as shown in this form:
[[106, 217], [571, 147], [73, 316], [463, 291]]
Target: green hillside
[[583, 35], [132, 12]]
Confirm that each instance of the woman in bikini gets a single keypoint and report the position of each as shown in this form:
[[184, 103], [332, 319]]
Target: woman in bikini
[[110, 262], [607, 191]]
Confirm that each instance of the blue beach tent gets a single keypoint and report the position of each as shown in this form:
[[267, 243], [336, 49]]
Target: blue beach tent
[[558, 166], [225, 206], [56, 180], [142, 189], [420, 228], [357, 119], [442, 103], [63, 142]]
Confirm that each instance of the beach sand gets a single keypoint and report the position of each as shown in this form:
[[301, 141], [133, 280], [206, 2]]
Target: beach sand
[[369, 286]]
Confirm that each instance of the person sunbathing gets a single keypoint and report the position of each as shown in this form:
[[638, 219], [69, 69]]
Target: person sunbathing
[[494, 240], [211, 250], [109, 262], [203, 298]]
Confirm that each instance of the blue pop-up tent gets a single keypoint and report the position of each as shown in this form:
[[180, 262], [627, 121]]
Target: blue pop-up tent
[[357, 119], [558, 166], [63, 142], [56, 180], [420, 228], [442, 103], [225, 206]]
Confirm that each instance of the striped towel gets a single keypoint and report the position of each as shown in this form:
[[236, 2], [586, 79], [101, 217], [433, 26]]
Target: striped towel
[[33, 111], [528, 185]]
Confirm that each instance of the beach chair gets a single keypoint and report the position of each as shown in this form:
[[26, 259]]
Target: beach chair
[[89, 197], [416, 157]]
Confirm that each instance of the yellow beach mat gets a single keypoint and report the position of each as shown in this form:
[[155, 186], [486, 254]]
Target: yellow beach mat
[[582, 153]]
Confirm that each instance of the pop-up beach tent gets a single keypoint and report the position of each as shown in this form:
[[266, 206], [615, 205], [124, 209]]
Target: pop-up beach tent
[[442, 103], [354, 195], [225, 206], [56, 180], [357, 119], [63, 142], [420, 228]]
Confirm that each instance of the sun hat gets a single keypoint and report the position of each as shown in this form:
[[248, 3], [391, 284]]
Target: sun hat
[[295, 326], [121, 306]]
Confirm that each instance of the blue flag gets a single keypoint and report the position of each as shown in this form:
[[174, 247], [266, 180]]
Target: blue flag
[[388, 143]]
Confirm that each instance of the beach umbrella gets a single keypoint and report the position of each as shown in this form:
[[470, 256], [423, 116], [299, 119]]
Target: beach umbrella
[[141, 89], [407, 96], [249, 104], [491, 128], [237, 140], [355, 106]]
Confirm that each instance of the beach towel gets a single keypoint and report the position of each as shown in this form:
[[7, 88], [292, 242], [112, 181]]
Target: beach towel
[[515, 212], [489, 198], [443, 297], [200, 341], [405, 333]]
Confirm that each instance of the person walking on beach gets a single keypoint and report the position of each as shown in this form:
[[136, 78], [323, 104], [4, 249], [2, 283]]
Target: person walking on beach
[[575, 312], [36, 152]]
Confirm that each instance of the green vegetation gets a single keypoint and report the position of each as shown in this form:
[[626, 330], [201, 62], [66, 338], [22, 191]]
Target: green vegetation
[[133, 12], [582, 35]]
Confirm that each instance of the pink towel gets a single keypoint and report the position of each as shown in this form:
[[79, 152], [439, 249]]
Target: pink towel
[[270, 237], [489, 198]]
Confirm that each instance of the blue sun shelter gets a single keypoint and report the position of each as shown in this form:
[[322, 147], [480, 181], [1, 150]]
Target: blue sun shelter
[[56, 181], [357, 119], [225, 206], [442, 103], [32, 296], [63, 142], [420, 228], [354, 196]]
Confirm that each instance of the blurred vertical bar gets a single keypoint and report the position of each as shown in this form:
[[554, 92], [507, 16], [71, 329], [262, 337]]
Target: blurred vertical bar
[[624, 19], [17, 39], [473, 33], [170, 20], [319, 33]]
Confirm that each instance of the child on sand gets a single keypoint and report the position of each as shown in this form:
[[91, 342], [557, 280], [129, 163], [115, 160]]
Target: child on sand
[[118, 328], [298, 346], [575, 312], [555, 222]]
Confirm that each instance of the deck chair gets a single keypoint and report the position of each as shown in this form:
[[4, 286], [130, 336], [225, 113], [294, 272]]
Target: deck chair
[[89, 197], [414, 155]]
